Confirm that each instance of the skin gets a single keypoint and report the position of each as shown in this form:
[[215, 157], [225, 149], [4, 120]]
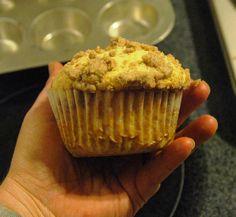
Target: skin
[[45, 180]]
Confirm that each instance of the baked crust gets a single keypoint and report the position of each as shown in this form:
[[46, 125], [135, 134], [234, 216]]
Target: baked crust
[[122, 65]]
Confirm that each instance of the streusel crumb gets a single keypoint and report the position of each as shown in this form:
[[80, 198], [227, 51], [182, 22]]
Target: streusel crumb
[[123, 64]]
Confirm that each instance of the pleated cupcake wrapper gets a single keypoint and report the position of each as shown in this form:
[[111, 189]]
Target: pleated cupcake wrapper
[[115, 123]]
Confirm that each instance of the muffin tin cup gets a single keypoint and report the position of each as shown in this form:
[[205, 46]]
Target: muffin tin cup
[[6, 5], [60, 28], [33, 33], [115, 123], [10, 36]]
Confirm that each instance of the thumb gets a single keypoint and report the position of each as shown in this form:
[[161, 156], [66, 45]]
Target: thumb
[[162, 165], [53, 69], [41, 109], [39, 131]]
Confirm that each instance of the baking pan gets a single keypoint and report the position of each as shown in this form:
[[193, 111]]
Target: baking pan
[[35, 32]]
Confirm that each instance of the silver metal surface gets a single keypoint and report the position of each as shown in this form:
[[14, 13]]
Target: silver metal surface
[[10, 36], [35, 32], [60, 28]]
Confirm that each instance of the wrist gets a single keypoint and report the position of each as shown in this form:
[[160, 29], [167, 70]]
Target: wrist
[[16, 198]]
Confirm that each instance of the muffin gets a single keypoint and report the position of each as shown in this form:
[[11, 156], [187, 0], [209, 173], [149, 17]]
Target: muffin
[[120, 100]]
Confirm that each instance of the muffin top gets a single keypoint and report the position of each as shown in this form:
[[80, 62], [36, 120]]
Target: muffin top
[[122, 65]]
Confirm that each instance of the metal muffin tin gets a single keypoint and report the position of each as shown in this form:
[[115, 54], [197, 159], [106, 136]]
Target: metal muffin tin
[[35, 32]]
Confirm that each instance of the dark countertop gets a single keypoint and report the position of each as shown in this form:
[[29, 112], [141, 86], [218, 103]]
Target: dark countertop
[[210, 173]]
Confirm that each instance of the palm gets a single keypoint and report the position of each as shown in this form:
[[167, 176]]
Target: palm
[[92, 187], [109, 184]]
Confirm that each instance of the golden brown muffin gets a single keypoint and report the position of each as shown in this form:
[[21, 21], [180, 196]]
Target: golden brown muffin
[[119, 100]]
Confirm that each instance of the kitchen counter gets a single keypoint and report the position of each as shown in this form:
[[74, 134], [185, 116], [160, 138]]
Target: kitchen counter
[[210, 174]]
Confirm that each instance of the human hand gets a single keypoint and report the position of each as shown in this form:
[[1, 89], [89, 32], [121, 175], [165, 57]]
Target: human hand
[[45, 180]]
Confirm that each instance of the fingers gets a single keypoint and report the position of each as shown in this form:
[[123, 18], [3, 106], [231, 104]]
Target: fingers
[[161, 166], [200, 130], [192, 99]]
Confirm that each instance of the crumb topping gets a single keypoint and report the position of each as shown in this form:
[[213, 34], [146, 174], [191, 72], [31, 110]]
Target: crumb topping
[[112, 53], [123, 64]]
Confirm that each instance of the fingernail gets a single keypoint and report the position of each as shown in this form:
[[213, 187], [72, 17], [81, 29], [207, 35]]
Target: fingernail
[[207, 85], [192, 144], [158, 187], [51, 67]]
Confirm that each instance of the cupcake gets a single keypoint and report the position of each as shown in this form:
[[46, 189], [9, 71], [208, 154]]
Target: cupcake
[[120, 100]]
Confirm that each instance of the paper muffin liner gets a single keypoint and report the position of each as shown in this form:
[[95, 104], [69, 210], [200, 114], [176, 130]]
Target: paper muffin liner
[[115, 123]]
